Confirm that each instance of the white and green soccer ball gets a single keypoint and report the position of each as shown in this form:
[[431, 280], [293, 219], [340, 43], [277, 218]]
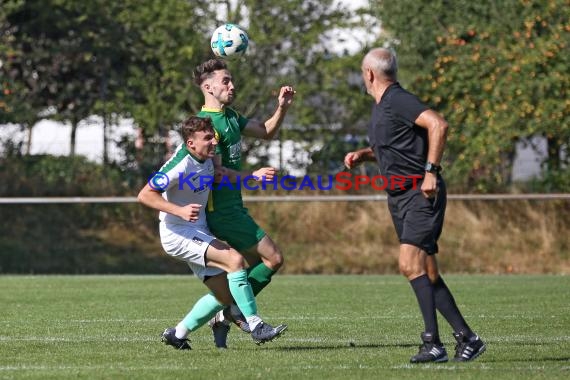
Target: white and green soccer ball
[[229, 41]]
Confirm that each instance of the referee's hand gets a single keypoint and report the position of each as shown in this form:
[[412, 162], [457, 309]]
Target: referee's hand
[[429, 185], [351, 160]]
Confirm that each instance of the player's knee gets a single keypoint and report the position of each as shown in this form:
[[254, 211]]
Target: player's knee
[[404, 269], [235, 261], [275, 260], [278, 260]]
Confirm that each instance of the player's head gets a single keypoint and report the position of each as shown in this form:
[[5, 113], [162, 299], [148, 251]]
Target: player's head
[[215, 81], [199, 136], [382, 64], [206, 70]]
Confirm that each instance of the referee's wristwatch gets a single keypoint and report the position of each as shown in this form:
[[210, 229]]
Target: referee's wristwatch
[[432, 168]]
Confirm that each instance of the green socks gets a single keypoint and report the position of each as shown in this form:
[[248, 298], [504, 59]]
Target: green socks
[[244, 286], [201, 312], [242, 292], [259, 277]]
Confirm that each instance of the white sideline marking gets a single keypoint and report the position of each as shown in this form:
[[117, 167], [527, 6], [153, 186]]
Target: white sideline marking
[[118, 320], [92, 367], [77, 339], [444, 367], [303, 318], [245, 337]]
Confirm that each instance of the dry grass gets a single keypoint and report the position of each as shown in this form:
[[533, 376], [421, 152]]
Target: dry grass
[[478, 237]]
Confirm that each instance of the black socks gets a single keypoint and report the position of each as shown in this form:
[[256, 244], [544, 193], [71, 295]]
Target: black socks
[[425, 294]]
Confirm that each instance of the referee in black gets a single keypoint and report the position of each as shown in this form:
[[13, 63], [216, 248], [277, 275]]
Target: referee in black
[[407, 140]]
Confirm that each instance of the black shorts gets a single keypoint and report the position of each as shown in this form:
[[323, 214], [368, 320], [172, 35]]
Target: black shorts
[[418, 220]]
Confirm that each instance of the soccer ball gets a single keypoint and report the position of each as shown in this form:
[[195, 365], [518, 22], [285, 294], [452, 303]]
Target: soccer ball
[[229, 41]]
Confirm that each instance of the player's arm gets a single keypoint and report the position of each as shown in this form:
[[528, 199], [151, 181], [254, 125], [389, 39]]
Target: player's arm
[[233, 176], [268, 129], [153, 198], [354, 158], [437, 135]]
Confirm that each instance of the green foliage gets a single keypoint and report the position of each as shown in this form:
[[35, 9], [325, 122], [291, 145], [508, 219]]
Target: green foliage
[[291, 44], [164, 42], [499, 74], [134, 59], [76, 238], [518, 90], [53, 53], [496, 70], [57, 176], [553, 181]]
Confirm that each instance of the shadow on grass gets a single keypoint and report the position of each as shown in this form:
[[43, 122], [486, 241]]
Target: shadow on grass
[[534, 359], [345, 346]]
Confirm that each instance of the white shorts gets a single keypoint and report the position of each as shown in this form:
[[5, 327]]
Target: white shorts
[[189, 244]]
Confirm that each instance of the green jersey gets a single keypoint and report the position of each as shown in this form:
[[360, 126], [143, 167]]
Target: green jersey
[[227, 217], [228, 125]]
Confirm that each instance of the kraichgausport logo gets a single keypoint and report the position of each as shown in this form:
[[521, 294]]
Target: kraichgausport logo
[[158, 181], [342, 181]]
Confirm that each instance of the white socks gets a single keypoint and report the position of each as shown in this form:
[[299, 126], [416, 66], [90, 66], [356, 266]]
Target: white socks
[[181, 331], [253, 321]]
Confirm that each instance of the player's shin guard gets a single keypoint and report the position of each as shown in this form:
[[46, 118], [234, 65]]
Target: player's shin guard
[[242, 292], [202, 311]]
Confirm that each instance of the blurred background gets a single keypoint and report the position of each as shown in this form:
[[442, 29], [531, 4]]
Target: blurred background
[[92, 92]]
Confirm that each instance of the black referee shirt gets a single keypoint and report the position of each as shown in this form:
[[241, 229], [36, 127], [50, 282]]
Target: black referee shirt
[[400, 146]]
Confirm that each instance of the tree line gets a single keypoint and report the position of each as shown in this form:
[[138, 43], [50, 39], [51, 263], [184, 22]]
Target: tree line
[[497, 71]]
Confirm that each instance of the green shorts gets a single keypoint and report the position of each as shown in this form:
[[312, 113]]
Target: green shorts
[[235, 226]]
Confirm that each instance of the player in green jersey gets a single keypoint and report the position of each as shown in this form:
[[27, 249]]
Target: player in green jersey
[[227, 217], [176, 191]]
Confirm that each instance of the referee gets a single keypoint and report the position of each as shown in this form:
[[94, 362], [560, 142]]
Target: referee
[[407, 139]]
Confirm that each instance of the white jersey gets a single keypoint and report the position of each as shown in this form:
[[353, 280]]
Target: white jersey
[[185, 180]]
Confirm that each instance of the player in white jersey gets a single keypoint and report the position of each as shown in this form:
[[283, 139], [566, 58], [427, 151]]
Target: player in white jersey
[[180, 192]]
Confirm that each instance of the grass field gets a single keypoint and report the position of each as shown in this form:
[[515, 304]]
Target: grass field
[[340, 327]]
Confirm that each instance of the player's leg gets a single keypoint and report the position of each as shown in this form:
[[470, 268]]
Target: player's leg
[[189, 245], [259, 276], [241, 232], [271, 259], [224, 257], [206, 307]]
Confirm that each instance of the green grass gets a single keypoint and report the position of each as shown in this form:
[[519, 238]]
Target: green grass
[[340, 327]]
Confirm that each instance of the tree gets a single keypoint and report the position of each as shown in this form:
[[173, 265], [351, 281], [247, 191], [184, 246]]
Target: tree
[[57, 57], [514, 93], [129, 59], [293, 43], [17, 101], [134, 59], [164, 41], [497, 71]]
